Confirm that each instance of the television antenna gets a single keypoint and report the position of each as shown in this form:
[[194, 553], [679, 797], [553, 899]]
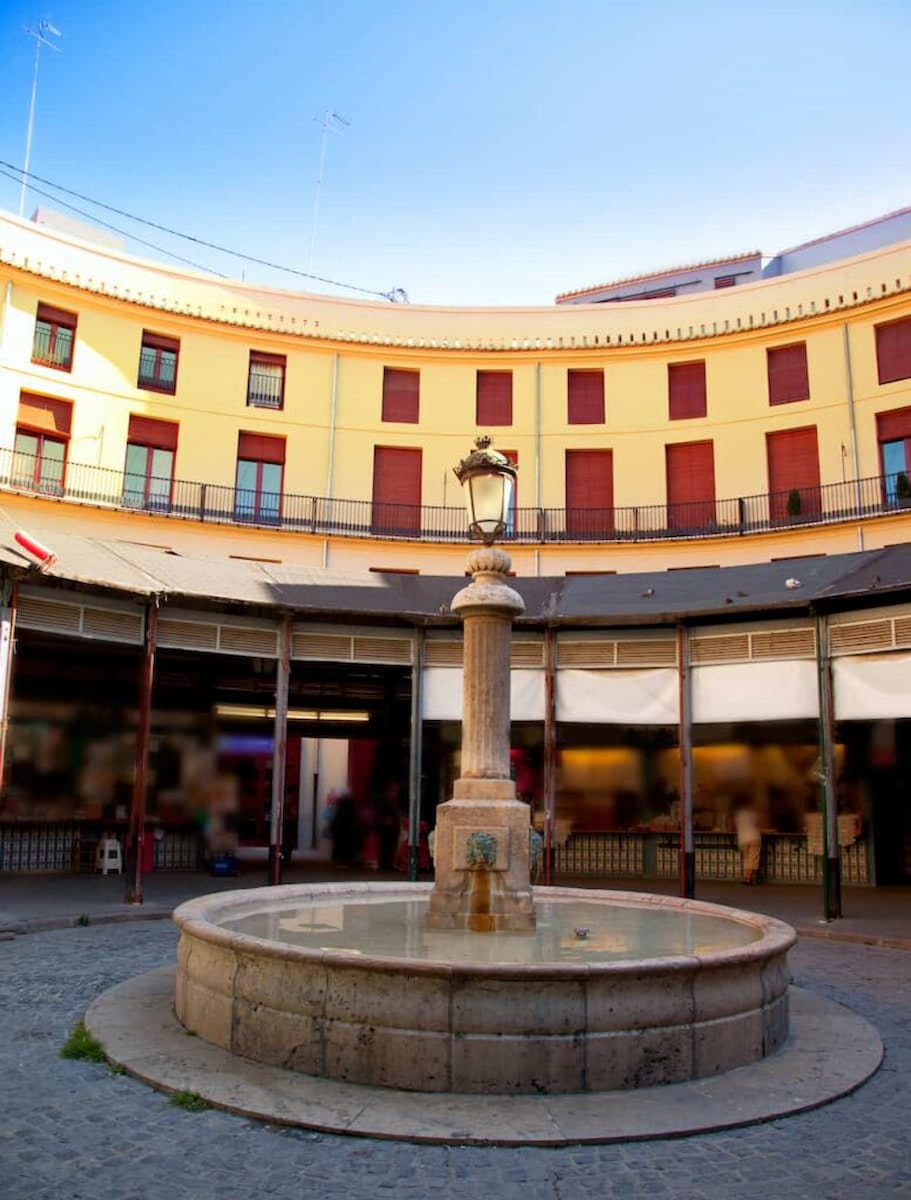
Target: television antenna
[[332, 123], [40, 35]]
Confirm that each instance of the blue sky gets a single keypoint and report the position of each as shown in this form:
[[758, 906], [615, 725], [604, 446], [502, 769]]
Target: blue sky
[[497, 153]]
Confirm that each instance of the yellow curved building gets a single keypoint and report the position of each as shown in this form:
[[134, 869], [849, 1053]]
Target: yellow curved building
[[220, 467], [731, 426]]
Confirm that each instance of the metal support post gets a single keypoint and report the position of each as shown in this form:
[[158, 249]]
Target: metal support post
[[137, 833], [280, 752], [828, 795], [414, 758], [550, 751], [685, 717]]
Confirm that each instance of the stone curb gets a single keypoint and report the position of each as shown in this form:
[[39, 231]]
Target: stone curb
[[831, 1052]]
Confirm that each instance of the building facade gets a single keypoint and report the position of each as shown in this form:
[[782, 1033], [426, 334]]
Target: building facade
[[246, 477]]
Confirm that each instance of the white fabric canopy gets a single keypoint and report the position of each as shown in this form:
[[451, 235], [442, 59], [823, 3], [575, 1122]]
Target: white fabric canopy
[[872, 686], [618, 697], [755, 691], [442, 696]]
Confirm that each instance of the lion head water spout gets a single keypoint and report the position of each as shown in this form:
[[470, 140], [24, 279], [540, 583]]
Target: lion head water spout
[[481, 854]]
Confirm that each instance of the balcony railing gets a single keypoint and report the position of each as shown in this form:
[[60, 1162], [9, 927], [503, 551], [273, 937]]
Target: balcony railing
[[825, 505], [265, 388]]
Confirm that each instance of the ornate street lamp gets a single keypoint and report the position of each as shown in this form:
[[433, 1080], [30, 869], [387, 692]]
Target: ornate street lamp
[[481, 850], [488, 482]]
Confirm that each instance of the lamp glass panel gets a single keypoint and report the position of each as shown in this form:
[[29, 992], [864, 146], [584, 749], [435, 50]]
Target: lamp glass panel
[[486, 492]]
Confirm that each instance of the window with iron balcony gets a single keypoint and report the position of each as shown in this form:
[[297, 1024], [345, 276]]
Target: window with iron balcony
[[266, 380], [55, 334], [158, 363]]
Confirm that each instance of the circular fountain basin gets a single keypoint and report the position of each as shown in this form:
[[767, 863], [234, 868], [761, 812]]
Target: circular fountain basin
[[613, 990]]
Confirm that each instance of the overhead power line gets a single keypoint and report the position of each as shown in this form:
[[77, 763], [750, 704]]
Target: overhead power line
[[394, 293]]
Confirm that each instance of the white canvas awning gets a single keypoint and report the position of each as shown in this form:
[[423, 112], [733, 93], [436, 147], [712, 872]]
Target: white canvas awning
[[755, 691], [872, 686], [618, 697]]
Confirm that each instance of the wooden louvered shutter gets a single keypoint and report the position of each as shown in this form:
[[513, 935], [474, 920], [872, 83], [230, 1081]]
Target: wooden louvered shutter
[[789, 379], [261, 447], [690, 485], [893, 350], [793, 458], [585, 397], [589, 492], [45, 413], [396, 491], [686, 390], [893, 426], [148, 431], [494, 398], [401, 395]]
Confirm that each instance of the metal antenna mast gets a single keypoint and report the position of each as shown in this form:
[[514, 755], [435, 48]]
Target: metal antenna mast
[[331, 121], [40, 36]]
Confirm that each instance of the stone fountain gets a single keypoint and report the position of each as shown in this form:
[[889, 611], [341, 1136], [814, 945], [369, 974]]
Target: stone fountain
[[475, 985]]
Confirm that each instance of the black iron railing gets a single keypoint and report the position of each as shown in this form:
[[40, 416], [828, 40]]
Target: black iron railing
[[827, 504]]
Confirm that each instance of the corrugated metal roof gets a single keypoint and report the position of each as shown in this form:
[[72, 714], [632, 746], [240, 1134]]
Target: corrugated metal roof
[[642, 598]]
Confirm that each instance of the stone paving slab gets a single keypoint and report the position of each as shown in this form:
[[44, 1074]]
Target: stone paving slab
[[831, 1052]]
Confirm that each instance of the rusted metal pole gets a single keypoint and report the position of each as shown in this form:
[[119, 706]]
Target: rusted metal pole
[[685, 739], [414, 758], [7, 647], [828, 791], [550, 751], [280, 752], [137, 833]]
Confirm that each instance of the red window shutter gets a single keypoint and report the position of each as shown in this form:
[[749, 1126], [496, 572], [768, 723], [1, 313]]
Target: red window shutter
[[147, 431], [589, 492], [690, 485], [260, 447], [56, 316], [396, 490], [45, 413], [157, 341], [585, 397], [723, 281], [494, 398], [686, 390], [893, 426], [893, 350], [401, 395], [793, 458], [788, 376]]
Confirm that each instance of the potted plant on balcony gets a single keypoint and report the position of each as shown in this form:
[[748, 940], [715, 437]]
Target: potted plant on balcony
[[794, 505], [902, 490]]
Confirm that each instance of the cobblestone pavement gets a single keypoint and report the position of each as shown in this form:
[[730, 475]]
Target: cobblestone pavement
[[75, 1130]]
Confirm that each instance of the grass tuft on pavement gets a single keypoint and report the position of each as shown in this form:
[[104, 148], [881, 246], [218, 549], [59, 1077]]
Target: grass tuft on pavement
[[81, 1044], [190, 1101]]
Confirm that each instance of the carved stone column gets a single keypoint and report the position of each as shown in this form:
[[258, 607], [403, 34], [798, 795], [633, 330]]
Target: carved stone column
[[490, 892]]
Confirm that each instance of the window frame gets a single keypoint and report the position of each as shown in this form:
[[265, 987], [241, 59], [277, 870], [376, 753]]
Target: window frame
[[149, 501], [35, 483], [56, 319], [682, 387], [398, 401], [895, 370], [787, 393], [264, 359], [483, 420], [576, 412], [159, 345]]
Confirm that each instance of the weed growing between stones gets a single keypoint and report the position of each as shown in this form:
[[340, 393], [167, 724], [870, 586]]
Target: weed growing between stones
[[190, 1101], [81, 1044]]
